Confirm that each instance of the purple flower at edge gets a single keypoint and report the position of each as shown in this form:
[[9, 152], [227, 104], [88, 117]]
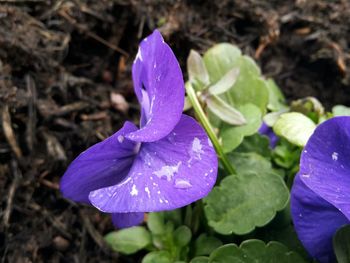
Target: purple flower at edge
[[167, 163], [320, 196], [266, 130]]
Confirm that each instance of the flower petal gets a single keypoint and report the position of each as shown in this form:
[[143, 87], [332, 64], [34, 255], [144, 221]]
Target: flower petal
[[315, 221], [325, 163], [124, 220], [103, 164], [266, 130], [159, 87], [167, 174]]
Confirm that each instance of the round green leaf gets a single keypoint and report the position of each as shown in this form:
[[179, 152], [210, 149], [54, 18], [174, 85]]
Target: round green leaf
[[155, 223], [255, 251], [233, 136], [182, 236], [341, 110], [157, 257], [205, 244], [200, 260], [249, 86], [248, 199], [129, 240], [341, 244], [295, 127]]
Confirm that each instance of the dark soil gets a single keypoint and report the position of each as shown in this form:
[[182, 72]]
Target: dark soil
[[65, 83]]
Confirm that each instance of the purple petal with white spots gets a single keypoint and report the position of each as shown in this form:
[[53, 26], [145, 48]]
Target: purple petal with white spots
[[315, 221], [159, 87], [325, 163], [170, 173], [123, 220], [103, 164]]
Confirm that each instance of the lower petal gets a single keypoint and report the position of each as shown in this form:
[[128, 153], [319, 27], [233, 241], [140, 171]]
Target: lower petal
[[167, 174], [124, 220], [315, 221], [103, 164]]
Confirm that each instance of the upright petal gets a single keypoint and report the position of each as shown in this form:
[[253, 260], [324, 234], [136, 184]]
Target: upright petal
[[315, 221], [123, 220], [325, 163], [167, 174], [103, 164], [159, 87]]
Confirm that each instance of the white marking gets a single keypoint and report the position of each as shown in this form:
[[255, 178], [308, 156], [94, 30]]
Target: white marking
[[134, 191], [206, 174], [139, 55], [155, 65], [137, 147], [148, 192], [160, 201], [211, 170], [334, 156], [305, 175], [197, 148], [167, 171], [124, 182], [210, 143], [120, 138], [182, 184]]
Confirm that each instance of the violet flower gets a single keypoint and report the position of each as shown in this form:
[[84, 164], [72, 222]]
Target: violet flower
[[266, 130], [320, 197], [167, 163]]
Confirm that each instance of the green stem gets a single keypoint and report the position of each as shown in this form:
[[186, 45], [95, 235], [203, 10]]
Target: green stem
[[208, 128]]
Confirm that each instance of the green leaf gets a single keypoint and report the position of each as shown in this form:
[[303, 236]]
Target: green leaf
[[249, 86], [200, 260], [182, 236], [255, 251], [155, 223], [157, 257], [196, 69], [225, 83], [341, 244], [248, 199], [224, 111], [233, 136], [295, 127], [256, 143], [276, 98], [129, 240], [341, 110], [205, 244]]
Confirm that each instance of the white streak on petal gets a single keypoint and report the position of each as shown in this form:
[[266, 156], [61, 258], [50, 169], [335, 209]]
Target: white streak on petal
[[334, 156], [167, 171], [134, 191]]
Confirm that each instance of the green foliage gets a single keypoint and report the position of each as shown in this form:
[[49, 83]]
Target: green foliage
[[248, 199], [254, 251], [232, 136], [295, 127], [157, 257], [341, 110], [341, 244], [276, 98], [129, 240], [205, 244]]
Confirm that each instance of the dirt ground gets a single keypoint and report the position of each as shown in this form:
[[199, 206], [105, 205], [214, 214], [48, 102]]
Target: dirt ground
[[65, 83]]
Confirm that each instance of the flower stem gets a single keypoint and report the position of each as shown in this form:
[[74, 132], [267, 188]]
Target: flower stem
[[208, 128]]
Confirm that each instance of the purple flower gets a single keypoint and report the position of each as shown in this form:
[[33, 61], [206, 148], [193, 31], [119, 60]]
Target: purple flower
[[167, 163], [320, 197], [266, 130]]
